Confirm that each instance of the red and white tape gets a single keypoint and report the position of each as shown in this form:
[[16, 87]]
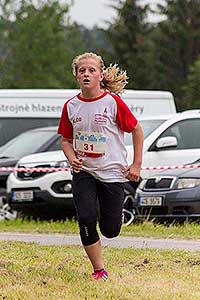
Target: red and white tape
[[192, 166], [40, 169], [54, 169]]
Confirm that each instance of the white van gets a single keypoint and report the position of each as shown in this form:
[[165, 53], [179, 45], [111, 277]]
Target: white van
[[25, 109], [146, 103], [21, 110]]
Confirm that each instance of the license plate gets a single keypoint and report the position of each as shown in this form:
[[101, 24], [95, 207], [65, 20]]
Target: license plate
[[22, 196], [150, 201]]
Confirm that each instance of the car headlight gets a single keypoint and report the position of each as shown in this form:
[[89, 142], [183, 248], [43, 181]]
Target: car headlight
[[62, 187], [61, 164], [15, 172], [185, 183], [142, 184]]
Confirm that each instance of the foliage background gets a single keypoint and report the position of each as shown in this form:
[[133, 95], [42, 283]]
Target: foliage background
[[38, 42]]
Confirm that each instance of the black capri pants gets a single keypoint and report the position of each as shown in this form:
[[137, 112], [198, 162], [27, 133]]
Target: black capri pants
[[97, 201]]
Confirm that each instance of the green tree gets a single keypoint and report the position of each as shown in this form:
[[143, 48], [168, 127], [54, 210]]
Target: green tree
[[175, 45], [130, 45], [191, 91], [94, 39], [3, 44], [41, 44]]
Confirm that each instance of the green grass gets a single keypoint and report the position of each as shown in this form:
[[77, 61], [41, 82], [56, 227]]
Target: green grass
[[30, 271], [144, 229], [186, 230], [35, 272], [26, 225]]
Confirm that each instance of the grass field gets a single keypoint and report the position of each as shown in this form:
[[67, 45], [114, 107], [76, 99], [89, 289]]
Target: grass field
[[30, 271]]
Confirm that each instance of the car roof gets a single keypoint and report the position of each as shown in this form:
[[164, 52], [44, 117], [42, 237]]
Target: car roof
[[191, 111], [185, 114], [158, 117]]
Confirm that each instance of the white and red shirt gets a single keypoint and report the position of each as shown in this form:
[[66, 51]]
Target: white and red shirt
[[97, 128]]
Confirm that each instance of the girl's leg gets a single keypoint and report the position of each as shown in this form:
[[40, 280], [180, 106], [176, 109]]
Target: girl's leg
[[94, 253], [85, 199], [111, 199]]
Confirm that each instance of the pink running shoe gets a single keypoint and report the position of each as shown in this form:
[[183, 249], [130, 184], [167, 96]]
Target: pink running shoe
[[102, 274]]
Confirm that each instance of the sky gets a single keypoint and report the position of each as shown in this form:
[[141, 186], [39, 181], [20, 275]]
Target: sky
[[97, 12]]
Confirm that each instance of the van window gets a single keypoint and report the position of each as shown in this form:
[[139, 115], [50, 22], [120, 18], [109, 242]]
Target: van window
[[11, 127]]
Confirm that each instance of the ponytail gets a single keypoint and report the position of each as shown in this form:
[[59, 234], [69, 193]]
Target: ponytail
[[114, 79]]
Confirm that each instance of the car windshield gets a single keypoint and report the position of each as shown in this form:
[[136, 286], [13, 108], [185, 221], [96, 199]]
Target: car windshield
[[12, 127], [148, 126], [25, 143]]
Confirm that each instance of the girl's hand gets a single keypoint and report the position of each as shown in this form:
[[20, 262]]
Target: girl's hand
[[76, 165], [132, 172]]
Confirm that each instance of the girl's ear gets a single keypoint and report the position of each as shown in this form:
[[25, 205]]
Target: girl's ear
[[101, 77]]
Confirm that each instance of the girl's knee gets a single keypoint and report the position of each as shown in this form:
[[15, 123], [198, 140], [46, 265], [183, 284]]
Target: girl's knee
[[110, 232], [88, 233]]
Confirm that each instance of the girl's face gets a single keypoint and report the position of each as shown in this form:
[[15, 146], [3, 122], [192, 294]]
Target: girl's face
[[89, 74]]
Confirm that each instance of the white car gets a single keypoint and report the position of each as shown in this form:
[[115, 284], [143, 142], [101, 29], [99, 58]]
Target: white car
[[42, 194], [169, 140]]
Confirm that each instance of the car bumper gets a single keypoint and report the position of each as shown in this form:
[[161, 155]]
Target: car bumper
[[43, 205], [3, 193], [175, 204], [46, 201], [3, 196], [44, 183]]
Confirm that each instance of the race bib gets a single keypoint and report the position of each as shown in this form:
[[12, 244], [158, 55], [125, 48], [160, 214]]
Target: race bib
[[90, 143]]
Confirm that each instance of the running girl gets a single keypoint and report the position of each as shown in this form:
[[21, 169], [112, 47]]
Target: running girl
[[92, 126]]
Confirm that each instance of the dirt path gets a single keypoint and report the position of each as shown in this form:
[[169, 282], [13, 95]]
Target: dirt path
[[119, 242]]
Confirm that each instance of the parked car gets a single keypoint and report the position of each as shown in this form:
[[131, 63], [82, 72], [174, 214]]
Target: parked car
[[173, 193], [31, 141], [42, 194], [171, 139]]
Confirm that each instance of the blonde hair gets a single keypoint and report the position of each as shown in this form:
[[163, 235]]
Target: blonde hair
[[114, 79]]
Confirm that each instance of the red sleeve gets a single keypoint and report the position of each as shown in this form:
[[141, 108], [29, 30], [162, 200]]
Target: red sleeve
[[124, 117], [65, 127]]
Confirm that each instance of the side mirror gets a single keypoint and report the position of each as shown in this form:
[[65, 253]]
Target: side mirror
[[167, 142]]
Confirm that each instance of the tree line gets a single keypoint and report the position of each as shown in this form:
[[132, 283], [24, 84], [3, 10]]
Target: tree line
[[38, 41]]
